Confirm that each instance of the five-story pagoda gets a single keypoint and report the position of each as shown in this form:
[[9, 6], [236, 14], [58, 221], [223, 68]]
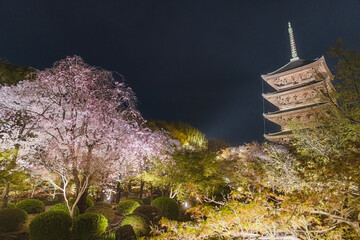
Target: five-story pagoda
[[298, 96]]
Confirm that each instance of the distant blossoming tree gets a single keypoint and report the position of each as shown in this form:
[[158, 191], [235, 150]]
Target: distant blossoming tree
[[85, 124]]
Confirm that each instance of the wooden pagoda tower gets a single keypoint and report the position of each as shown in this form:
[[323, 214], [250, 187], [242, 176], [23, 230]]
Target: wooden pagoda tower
[[298, 92]]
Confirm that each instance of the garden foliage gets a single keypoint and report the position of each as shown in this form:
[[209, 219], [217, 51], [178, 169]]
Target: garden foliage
[[153, 213], [61, 207], [139, 223], [104, 209], [12, 220], [168, 206], [52, 225], [127, 207], [125, 232], [31, 206], [89, 226]]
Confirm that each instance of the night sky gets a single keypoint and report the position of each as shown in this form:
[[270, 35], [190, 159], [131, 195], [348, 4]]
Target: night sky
[[187, 60]]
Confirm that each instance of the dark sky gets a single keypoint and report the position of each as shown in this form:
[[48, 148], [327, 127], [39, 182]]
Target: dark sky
[[189, 60]]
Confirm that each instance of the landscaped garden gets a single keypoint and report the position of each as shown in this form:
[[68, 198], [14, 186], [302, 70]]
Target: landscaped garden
[[79, 161]]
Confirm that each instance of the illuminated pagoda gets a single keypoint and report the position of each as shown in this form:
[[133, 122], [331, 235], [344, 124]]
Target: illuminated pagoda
[[298, 96]]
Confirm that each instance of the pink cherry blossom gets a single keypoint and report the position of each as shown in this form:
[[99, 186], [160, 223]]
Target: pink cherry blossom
[[78, 123]]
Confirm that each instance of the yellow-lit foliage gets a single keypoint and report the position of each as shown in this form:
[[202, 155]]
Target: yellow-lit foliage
[[187, 135]]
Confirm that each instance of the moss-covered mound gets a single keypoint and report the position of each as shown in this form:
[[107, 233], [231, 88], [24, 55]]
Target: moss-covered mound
[[168, 207], [12, 220], [31, 206], [52, 225], [125, 232], [61, 207], [89, 226], [138, 200], [104, 209], [127, 207], [139, 223], [154, 214]]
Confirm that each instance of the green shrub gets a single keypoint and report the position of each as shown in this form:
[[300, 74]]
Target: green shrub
[[89, 226], [108, 236], [31, 206], [61, 207], [137, 200], [11, 205], [127, 207], [12, 219], [89, 202], [125, 232], [139, 223], [50, 200], [168, 207], [103, 204], [154, 214], [50, 225], [104, 209]]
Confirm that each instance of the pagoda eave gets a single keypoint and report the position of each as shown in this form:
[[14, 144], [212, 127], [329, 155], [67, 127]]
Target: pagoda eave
[[303, 95], [279, 137], [288, 77]]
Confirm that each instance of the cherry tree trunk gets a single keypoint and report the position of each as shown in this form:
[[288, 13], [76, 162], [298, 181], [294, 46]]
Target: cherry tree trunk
[[142, 183], [82, 201], [118, 192]]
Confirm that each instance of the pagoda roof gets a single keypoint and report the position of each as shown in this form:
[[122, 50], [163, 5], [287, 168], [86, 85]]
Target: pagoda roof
[[294, 88], [281, 79], [279, 136], [292, 65], [295, 110]]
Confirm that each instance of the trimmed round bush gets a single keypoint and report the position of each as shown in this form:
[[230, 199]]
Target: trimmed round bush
[[154, 214], [104, 209], [168, 207], [12, 219], [89, 226], [61, 207], [139, 223], [89, 202], [50, 225], [138, 200], [31, 206], [126, 207], [125, 232], [11, 205]]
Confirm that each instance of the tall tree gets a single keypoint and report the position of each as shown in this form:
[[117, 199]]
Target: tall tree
[[86, 125], [187, 135], [11, 74], [329, 153]]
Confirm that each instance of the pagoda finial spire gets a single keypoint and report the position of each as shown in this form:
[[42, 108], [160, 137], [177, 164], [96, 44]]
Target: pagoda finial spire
[[292, 44]]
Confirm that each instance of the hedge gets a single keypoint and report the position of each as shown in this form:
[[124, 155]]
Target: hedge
[[104, 209], [154, 214], [52, 225], [89, 226], [31, 206], [12, 219], [126, 207], [168, 207], [61, 207], [139, 223]]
